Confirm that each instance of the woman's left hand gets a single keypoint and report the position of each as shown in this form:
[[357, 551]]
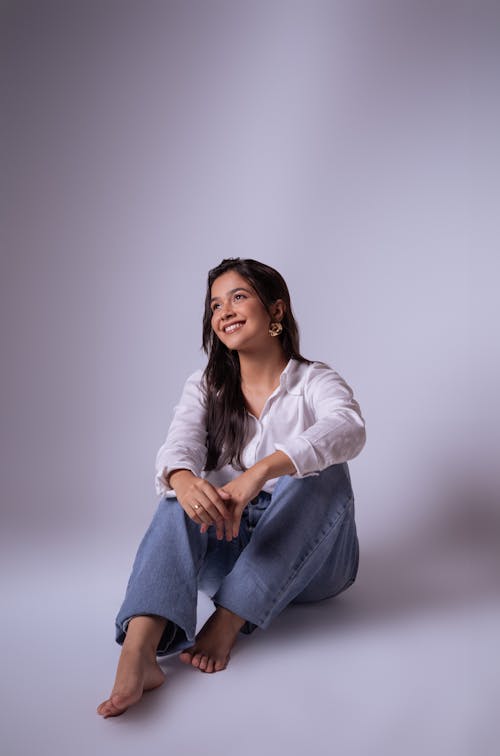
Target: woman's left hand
[[246, 486], [242, 490]]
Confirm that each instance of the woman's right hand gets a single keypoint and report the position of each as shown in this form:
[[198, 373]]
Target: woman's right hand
[[203, 503]]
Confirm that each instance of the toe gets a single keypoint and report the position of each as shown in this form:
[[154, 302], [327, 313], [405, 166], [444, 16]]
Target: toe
[[210, 666], [108, 709], [219, 665], [204, 663], [102, 707], [195, 661], [186, 657]]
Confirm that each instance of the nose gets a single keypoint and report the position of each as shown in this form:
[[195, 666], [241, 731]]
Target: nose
[[227, 310]]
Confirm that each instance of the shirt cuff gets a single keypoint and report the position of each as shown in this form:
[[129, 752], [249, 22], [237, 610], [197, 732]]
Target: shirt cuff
[[303, 456], [161, 486]]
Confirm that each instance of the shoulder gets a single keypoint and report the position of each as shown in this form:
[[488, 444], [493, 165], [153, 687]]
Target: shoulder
[[317, 380], [301, 374], [196, 377], [194, 385]]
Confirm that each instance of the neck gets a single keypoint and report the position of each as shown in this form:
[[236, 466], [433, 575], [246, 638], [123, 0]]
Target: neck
[[262, 369]]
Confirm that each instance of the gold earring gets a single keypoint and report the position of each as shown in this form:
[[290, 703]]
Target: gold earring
[[275, 329]]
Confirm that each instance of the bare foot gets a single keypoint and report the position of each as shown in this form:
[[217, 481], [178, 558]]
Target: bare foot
[[213, 644], [137, 672]]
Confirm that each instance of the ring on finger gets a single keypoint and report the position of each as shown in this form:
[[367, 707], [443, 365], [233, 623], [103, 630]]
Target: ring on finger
[[196, 507]]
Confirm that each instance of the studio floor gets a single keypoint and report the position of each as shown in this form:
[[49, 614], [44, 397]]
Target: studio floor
[[405, 662]]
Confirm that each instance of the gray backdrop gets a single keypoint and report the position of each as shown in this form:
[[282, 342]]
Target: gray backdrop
[[354, 146]]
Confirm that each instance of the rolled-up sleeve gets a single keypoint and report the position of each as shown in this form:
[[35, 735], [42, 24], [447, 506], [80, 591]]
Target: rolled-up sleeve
[[185, 445], [337, 432]]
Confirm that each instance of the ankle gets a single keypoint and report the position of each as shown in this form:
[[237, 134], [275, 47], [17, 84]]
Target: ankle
[[230, 618], [144, 634], [139, 648]]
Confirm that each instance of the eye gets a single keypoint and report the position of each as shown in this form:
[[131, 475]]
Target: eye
[[239, 296], [215, 306]]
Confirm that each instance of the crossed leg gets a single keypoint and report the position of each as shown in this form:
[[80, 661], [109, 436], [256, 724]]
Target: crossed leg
[[312, 538]]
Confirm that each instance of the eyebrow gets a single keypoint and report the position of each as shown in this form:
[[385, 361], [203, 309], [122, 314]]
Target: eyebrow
[[232, 291]]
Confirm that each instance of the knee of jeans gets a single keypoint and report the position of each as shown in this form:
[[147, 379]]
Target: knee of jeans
[[339, 476], [168, 506], [168, 511], [333, 483]]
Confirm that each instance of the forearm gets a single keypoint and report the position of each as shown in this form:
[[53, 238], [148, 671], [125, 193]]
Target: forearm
[[273, 466]]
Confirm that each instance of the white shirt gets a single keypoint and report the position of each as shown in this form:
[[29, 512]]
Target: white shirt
[[311, 416]]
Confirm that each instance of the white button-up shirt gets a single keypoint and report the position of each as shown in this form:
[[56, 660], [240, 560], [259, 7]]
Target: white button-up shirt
[[311, 416]]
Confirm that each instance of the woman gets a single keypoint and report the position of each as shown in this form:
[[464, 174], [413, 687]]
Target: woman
[[257, 507]]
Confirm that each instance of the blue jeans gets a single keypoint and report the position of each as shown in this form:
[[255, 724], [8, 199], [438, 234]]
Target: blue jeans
[[298, 544]]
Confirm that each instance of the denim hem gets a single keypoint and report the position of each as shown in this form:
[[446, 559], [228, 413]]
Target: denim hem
[[173, 639]]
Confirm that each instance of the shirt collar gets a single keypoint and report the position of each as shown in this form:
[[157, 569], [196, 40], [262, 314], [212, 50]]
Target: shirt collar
[[291, 377]]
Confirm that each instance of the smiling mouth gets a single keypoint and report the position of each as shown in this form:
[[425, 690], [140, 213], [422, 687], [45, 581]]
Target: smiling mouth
[[233, 327]]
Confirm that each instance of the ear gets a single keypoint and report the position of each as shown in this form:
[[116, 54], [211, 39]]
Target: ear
[[278, 310]]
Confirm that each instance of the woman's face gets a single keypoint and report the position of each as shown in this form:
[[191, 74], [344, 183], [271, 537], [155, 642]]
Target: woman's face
[[239, 319]]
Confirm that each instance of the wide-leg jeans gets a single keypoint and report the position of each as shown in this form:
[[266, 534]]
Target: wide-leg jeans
[[298, 544]]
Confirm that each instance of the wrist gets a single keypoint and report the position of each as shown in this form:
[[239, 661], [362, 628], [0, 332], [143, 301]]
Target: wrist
[[178, 476]]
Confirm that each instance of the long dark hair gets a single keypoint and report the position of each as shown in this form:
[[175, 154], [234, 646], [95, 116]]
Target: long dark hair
[[227, 422]]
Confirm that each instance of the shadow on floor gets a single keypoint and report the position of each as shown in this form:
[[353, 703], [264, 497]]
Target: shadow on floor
[[451, 562]]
